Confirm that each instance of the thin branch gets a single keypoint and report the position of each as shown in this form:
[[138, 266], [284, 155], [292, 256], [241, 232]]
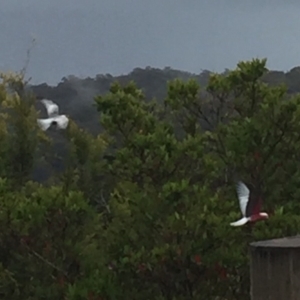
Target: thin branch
[[47, 262], [27, 60], [105, 202]]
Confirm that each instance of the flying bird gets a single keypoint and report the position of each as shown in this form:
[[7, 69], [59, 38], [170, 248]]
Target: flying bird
[[250, 205], [61, 121]]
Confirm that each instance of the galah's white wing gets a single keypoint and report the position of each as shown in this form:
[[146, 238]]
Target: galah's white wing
[[45, 123], [51, 107], [240, 222], [243, 195], [62, 122]]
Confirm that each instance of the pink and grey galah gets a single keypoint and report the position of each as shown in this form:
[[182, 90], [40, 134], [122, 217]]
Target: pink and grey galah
[[250, 205]]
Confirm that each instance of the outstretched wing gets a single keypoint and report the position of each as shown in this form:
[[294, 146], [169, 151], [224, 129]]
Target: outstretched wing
[[243, 195], [62, 122], [44, 123], [51, 107]]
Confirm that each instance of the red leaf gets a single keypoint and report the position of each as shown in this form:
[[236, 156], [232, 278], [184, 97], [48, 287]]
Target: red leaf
[[141, 267], [25, 239], [221, 271], [257, 155], [197, 259], [61, 281]]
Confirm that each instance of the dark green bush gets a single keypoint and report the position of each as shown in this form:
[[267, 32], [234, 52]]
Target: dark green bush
[[152, 221]]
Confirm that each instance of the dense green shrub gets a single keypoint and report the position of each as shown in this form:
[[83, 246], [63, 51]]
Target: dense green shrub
[[142, 211]]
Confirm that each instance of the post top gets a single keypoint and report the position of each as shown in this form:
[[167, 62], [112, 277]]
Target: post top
[[286, 242]]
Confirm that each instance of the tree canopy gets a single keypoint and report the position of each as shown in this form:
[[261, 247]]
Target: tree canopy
[[142, 209]]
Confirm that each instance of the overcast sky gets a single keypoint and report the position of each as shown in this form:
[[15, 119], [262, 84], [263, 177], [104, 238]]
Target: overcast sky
[[89, 37]]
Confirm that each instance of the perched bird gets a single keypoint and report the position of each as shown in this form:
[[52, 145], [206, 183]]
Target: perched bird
[[61, 121], [250, 205]]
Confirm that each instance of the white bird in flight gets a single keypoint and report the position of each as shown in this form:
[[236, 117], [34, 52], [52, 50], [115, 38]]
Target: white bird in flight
[[61, 121], [250, 205]]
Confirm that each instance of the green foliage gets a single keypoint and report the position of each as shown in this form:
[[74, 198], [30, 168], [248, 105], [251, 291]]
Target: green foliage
[[142, 211], [43, 239], [175, 194]]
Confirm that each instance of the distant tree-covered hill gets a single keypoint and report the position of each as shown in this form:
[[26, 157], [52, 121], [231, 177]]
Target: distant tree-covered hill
[[76, 96]]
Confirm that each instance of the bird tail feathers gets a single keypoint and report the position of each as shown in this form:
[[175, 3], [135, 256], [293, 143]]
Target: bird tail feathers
[[240, 222]]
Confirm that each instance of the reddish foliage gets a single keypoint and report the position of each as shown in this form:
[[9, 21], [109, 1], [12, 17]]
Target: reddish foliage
[[47, 247], [25, 240], [141, 267], [257, 155], [197, 259], [179, 252], [61, 281], [221, 271]]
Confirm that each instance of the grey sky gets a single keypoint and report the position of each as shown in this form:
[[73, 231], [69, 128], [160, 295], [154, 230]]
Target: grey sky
[[89, 37]]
